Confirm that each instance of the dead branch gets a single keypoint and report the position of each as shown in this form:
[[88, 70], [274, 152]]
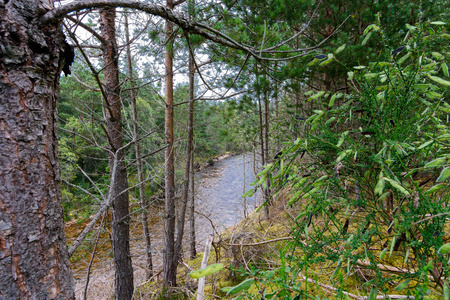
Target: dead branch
[[263, 242]]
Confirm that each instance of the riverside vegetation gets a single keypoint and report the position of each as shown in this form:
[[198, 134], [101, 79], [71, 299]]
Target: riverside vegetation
[[343, 106], [368, 180]]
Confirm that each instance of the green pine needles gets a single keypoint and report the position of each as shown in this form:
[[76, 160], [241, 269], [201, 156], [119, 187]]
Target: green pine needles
[[369, 179]]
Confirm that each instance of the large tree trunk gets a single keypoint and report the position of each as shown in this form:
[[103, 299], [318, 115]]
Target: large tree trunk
[[169, 266], [34, 262], [144, 217], [120, 222]]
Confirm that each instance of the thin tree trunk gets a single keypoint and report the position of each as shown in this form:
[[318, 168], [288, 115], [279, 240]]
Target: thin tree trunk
[[192, 246], [276, 97], [266, 150], [144, 217], [34, 262], [120, 206], [169, 265], [263, 152], [187, 178]]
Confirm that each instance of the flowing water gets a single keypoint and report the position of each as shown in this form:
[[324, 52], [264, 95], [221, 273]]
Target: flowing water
[[219, 204], [219, 193]]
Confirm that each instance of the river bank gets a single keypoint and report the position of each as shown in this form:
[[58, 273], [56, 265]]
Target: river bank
[[219, 204]]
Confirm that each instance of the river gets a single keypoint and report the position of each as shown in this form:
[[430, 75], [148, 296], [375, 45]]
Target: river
[[219, 204], [219, 191]]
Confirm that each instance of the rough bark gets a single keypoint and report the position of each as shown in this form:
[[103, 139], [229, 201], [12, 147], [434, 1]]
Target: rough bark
[[169, 265], [34, 262], [120, 206], [144, 217]]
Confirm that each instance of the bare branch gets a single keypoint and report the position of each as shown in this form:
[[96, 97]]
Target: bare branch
[[179, 19], [87, 28]]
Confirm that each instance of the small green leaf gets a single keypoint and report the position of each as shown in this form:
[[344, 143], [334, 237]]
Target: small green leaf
[[368, 29], [445, 249], [332, 100], [349, 240], [211, 269], [445, 69], [340, 49], [435, 188], [433, 95], [326, 62], [370, 282], [330, 120], [406, 256], [382, 197], [315, 96], [342, 138], [438, 162], [344, 154], [350, 75], [404, 58], [445, 174], [383, 253], [366, 38], [381, 95], [439, 80], [421, 86], [398, 186], [359, 67], [295, 197], [392, 246], [338, 267], [424, 145], [437, 55], [313, 62], [373, 293], [446, 291], [244, 285], [379, 187], [249, 193], [402, 285], [438, 23], [410, 27]]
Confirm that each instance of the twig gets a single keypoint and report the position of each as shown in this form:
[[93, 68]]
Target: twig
[[210, 221], [329, 287], [88, 273], [263, 242]]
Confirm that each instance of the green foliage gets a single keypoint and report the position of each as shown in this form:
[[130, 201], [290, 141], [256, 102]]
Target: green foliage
[[365, 175], [211, 269]]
